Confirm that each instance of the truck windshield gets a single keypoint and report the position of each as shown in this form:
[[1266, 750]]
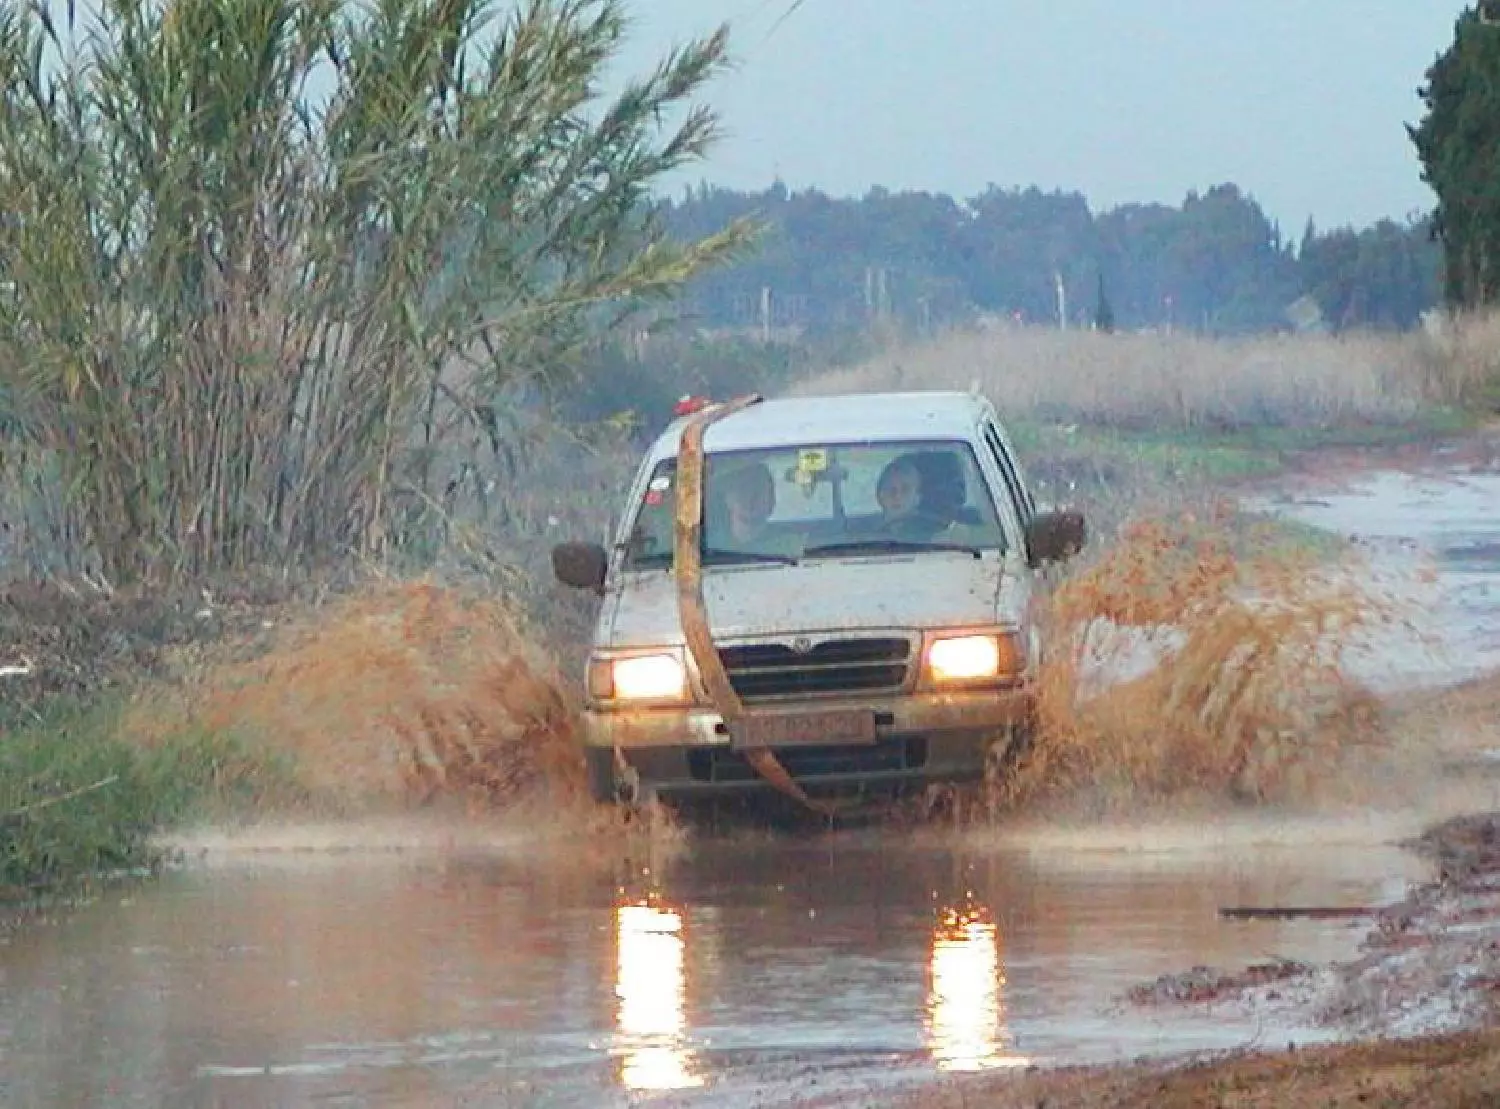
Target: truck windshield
[[814, 501]]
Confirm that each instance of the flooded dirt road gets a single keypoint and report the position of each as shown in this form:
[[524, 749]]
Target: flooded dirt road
[[749, 971], [741, 970]]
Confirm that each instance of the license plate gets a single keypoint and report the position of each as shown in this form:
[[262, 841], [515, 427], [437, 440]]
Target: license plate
[[803, 729]]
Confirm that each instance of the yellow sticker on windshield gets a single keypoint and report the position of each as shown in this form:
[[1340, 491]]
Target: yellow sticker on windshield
[[812, 461]]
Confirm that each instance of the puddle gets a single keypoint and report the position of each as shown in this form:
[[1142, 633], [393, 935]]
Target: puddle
[[738, 969], [1446, 527]]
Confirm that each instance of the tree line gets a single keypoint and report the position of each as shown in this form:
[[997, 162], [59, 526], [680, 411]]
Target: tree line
[[1214, 263]]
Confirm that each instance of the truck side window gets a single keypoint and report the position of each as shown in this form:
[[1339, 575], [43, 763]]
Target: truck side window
[[651, 535], [1007, 471]]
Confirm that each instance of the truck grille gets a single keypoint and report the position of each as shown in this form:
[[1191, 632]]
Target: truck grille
[[759, 671]]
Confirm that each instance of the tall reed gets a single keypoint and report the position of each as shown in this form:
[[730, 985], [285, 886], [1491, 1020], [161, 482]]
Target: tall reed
[[264, 260]]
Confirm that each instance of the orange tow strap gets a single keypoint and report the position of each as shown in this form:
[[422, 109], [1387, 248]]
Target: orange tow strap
[[687, 566]]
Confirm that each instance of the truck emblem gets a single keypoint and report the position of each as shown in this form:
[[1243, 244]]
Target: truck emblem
[[802, 645]]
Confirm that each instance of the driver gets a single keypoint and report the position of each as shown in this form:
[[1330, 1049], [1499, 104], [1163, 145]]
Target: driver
[[899, 490], [749, 498]]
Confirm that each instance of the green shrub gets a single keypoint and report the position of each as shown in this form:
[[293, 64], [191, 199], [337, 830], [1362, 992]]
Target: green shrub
[[77, 800]]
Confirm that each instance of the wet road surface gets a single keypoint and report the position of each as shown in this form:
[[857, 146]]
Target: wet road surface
[[744, 970], [1402, 522]]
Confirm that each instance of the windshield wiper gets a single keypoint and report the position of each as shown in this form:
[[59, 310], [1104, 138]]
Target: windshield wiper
[[720, 554], [662, 560], [887, 546]]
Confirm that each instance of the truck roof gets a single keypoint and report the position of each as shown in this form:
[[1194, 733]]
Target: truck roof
[[839, 418]]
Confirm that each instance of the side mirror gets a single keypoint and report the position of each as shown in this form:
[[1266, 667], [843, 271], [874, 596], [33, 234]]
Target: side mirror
[[1056, 536], [580, 565]]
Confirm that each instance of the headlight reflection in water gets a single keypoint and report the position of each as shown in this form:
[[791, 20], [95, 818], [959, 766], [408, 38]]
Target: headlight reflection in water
[[650, 985], [965, 1007]]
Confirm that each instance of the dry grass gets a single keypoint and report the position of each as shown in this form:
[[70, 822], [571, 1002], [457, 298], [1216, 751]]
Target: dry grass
[[1184, 381], [1157, 380], [1459, 359], [1184, 667]]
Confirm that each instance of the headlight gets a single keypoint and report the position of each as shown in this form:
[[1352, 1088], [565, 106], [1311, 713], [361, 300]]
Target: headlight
[[971, 658], [639, 678]]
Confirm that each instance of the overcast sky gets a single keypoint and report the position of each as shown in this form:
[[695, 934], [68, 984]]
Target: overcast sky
[[1300, 102]]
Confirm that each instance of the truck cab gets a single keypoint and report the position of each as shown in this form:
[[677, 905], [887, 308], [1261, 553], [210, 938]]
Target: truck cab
[[823, 595]]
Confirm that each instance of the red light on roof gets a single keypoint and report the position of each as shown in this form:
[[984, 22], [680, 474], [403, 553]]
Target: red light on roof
[[687, 405]]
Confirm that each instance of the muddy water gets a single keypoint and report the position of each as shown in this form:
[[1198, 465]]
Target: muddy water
[[767, 966], [740, 971]]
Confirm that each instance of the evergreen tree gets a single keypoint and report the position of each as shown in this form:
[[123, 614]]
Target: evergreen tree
[[1104, 313], [1458, 142]]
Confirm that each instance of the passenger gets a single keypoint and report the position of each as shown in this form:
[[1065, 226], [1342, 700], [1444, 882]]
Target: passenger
[[899, 493], [943, 493]]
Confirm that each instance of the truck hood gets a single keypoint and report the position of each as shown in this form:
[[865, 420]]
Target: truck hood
[[919, 591]]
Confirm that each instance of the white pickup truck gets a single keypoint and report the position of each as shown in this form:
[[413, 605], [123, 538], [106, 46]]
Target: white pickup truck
[[830, 596]]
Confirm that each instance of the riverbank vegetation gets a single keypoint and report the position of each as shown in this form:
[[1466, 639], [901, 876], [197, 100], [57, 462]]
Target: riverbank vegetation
[[80, 797]]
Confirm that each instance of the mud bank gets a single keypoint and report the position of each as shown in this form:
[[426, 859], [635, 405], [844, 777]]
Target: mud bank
[[1429, 962], [1455, 1070]]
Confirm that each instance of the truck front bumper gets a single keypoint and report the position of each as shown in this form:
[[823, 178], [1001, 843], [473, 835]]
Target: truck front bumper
[[920, 738]]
